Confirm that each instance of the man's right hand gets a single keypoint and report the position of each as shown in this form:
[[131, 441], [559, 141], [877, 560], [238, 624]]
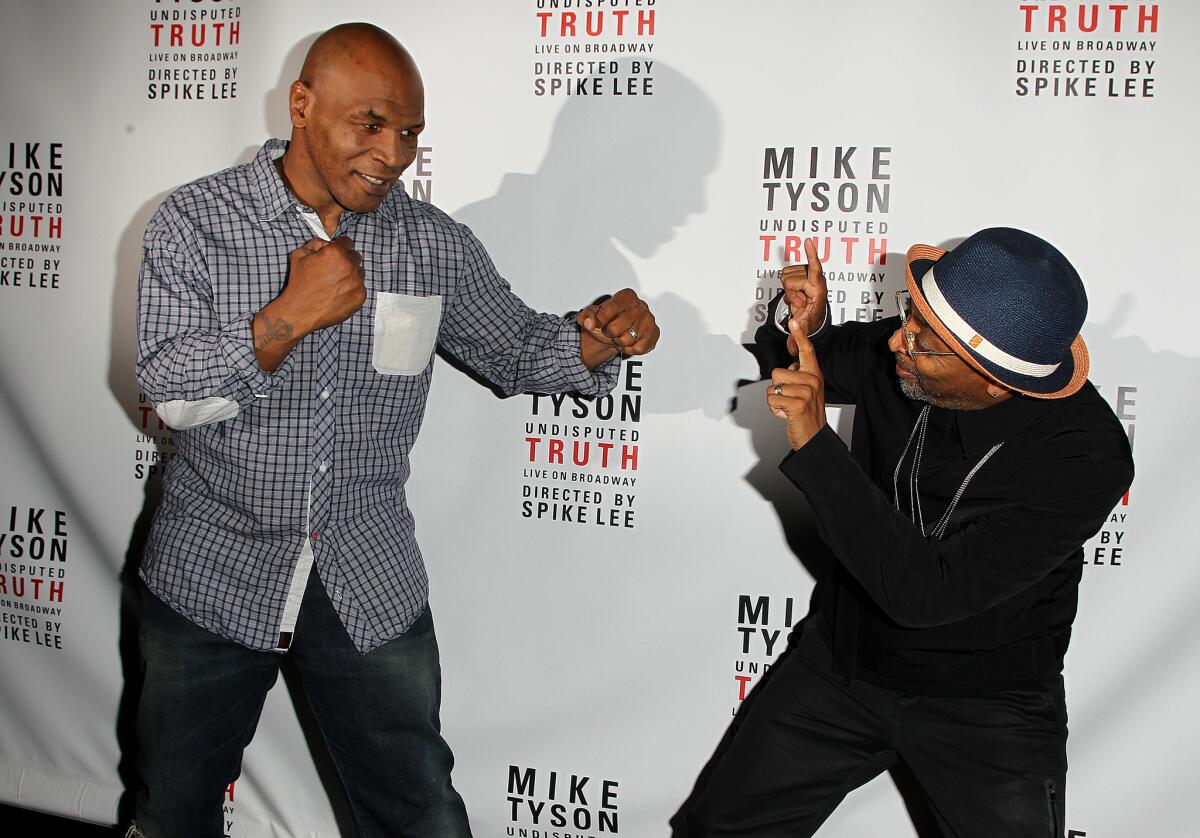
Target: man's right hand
[[325, 286], [805, 293]]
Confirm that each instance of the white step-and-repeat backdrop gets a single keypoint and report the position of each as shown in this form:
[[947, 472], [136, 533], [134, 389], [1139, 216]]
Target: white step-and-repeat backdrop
[[609, 577]]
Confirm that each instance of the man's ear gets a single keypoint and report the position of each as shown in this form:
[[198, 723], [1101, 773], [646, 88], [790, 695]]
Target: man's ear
[[300, 100]]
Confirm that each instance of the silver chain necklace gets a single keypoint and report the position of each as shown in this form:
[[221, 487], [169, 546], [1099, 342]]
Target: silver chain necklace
[[914, 503]]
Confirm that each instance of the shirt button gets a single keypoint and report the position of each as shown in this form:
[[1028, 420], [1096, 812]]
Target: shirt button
[[325, 393], [324, 467], [316, 536]]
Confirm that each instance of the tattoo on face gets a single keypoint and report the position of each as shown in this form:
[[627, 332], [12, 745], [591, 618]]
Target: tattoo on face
[[278, 329]]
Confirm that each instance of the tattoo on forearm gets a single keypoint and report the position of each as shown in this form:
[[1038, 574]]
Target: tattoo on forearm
[[273, 330]]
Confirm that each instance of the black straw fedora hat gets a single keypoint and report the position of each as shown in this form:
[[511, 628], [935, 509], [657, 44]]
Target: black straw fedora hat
[[1010, 305]]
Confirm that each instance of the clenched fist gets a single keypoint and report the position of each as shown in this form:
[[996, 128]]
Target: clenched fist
[[623, 323], [325, 285]]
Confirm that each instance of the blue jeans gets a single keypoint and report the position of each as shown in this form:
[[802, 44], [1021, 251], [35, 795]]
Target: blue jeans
[[378, 713]]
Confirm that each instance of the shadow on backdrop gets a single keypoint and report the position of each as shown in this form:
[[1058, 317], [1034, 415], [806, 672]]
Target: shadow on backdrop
[[620, 176]]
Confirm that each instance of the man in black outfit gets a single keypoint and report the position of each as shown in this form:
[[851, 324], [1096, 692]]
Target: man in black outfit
[[982, 459]]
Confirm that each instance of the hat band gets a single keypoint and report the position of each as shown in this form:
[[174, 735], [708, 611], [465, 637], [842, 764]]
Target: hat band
[[969, 336]]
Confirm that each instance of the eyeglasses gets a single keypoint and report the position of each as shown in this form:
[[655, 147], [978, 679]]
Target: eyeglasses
[[904, 304]]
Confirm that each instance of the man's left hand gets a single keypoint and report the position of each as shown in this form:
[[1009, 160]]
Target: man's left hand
[[797, 393], [621, 324]]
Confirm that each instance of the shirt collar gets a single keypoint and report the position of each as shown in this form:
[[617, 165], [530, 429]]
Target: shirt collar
[[272, 197]]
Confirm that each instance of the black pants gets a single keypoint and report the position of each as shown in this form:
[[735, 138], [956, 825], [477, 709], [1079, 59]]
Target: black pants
[[992, 766]]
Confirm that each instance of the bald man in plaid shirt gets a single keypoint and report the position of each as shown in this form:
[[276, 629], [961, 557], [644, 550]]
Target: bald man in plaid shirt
[[288, 313]]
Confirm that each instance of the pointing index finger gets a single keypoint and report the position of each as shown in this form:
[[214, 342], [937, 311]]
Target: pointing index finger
[[815, 272], [806, 354]]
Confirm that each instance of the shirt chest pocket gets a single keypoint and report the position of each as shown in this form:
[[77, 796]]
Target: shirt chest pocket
[[406, 328]]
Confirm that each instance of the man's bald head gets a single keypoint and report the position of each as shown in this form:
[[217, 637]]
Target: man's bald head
[[355, 47]]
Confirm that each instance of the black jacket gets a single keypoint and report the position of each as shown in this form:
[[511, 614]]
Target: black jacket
[[989, 605]]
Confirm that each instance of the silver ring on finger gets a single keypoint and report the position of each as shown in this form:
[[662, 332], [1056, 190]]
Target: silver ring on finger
[[778, 390], [633, 333]]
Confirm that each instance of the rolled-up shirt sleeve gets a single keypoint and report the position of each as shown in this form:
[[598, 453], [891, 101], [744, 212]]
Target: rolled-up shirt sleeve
[[195, 369]]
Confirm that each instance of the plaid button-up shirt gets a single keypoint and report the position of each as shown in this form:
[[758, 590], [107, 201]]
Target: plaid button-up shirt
[[277, 472]]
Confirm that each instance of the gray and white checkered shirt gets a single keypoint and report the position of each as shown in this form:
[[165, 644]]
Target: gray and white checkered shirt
[[275, 471]]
